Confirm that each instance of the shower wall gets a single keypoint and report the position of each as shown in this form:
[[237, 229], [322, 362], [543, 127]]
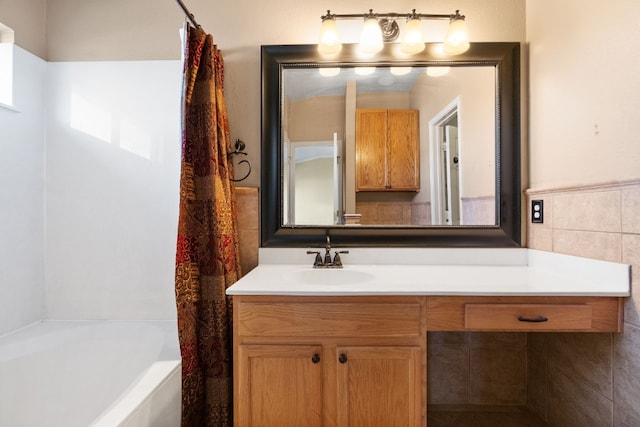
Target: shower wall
[[112, 172], [22, 196]]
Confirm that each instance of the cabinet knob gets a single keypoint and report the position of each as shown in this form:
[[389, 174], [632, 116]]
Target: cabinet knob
[[315, 358], [342, 358]]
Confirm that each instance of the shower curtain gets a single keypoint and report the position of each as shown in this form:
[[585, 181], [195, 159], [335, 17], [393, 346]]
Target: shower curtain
[[207, 255]]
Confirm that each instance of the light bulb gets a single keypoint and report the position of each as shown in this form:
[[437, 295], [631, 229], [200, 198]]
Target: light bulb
[[365, 71], [457, 39], [437, 71], [400, 71], [329, 39], [412, 40], [329, 72], [371, 37]]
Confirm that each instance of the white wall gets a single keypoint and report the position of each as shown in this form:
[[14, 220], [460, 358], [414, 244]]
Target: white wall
[[584, 87], [314, 191], [21, 196], [112, 174]]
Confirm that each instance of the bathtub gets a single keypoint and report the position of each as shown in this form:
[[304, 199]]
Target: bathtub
[[79, 374]]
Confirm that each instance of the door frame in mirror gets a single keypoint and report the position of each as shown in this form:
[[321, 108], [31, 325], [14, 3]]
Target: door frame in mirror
[[505, 56]]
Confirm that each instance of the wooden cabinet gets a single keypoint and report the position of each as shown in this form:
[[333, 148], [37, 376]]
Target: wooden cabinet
[[337, 361], [387, 150], [330, 361]]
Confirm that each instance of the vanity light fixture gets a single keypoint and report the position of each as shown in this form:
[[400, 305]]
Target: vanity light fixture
[[379, 28]]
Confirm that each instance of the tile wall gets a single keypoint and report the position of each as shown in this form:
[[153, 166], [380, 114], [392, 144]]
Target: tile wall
[[589, 379], [385, 213], [475, 210], [248, 226], [476, 368]]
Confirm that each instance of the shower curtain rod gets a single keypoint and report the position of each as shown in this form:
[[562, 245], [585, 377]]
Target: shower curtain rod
[[189, 14]]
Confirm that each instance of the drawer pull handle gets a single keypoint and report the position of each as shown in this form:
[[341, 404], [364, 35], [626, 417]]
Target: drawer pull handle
[[315, 358], [539, 319], [342, 358]]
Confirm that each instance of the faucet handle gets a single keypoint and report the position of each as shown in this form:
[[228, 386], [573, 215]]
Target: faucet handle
[[337, 262], [318, 260]]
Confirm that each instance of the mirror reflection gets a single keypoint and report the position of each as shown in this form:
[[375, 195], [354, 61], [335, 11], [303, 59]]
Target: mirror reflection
[[397, 146]]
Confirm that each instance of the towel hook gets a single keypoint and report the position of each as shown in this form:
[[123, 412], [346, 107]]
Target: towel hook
[[239, 147]]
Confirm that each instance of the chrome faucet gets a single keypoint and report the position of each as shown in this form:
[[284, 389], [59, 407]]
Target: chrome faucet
[[327, 262]]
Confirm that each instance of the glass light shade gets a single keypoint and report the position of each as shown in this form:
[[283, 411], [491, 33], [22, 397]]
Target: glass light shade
[[371, 37], [457, 39], [329, 39], [412, 39]]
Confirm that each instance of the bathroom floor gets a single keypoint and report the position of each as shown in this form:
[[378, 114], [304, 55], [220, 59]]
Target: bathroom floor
[[481, 416]]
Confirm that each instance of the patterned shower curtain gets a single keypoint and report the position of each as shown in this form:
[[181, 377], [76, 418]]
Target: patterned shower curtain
[[207, 256]]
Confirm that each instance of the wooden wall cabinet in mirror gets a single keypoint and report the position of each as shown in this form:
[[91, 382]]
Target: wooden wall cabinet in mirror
[[387, 150], [468, 197]]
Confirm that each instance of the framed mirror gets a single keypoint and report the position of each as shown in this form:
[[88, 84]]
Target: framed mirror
[[391, 151]]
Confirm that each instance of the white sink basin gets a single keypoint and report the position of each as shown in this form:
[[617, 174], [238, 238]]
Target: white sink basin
[[331, 276]]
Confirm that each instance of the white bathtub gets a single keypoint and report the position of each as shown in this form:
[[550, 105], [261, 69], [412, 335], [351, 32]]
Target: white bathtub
[[106, 374]]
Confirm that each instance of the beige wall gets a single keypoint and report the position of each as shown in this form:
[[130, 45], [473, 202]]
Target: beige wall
[[315, 119], [27, 19], [148, 29], [475, 88], [584, 86], [112, 30]]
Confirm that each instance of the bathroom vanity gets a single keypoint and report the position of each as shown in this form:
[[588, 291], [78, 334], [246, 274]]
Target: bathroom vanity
[[324, 347]]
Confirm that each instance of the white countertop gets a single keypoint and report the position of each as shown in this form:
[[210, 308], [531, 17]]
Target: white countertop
[[420, 271]]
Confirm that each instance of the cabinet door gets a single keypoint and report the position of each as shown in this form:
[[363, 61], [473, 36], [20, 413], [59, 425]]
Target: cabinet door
[[403, 149], [379, 386], [279, 386], [387, 150], [371, 147]]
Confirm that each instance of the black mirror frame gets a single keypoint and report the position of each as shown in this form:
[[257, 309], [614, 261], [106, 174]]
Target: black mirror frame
[[505, 56]]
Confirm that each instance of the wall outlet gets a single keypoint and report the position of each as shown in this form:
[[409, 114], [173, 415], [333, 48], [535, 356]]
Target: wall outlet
[[537, 211]]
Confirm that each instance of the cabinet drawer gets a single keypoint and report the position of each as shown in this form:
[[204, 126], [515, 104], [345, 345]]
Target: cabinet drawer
[[328, 319], [543, 317], [497, 313]]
